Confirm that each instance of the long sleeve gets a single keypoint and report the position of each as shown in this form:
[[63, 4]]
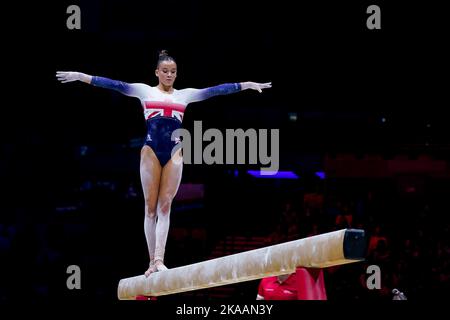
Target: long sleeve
[[129, 89], [194, 95]]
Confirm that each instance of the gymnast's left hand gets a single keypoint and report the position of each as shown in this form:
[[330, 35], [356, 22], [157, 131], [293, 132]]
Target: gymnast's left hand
[[256, 86]]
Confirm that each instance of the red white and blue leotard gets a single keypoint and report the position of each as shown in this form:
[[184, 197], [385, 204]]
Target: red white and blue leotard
[[163, 111]]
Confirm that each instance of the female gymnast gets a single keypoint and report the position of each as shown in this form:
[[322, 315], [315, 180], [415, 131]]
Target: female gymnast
[[160, 172]]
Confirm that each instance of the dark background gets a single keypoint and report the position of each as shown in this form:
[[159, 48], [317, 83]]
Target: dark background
[[70, 152]]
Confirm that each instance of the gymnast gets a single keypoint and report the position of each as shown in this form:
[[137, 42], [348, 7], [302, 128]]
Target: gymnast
[[160, 171]]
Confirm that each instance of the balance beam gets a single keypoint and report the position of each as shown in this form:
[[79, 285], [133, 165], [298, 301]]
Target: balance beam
[[320, 251]]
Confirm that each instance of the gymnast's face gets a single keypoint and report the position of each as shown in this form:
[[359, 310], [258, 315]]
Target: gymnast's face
[[167, 73]]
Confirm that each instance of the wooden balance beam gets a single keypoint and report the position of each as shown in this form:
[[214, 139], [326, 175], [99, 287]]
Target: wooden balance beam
[[320, 251]]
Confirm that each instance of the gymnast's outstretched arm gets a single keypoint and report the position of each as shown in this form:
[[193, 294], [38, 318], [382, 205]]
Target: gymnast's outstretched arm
[[194, 95], [128, 89]]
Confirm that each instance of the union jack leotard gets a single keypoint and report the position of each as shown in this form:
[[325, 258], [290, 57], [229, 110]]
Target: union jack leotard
[[163, 111]]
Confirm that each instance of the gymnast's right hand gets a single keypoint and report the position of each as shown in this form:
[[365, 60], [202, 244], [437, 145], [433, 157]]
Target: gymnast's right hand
[[68, 76]]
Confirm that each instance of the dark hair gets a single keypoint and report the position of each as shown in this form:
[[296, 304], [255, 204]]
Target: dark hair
[[164, 56]]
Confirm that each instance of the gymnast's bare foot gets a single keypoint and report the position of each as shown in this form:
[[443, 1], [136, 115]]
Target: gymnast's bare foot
[[156, 266], [160, 265], [151, 269]]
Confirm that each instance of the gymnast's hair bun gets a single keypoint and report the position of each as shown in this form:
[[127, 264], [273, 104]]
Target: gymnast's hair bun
[[164, 56], [163, 53]]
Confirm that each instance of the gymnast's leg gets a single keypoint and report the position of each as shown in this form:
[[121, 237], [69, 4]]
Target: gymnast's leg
[[170, 181], [150, 171]]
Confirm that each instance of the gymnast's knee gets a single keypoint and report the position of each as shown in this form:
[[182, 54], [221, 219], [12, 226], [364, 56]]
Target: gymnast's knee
[[164, 204], [150, 209]]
